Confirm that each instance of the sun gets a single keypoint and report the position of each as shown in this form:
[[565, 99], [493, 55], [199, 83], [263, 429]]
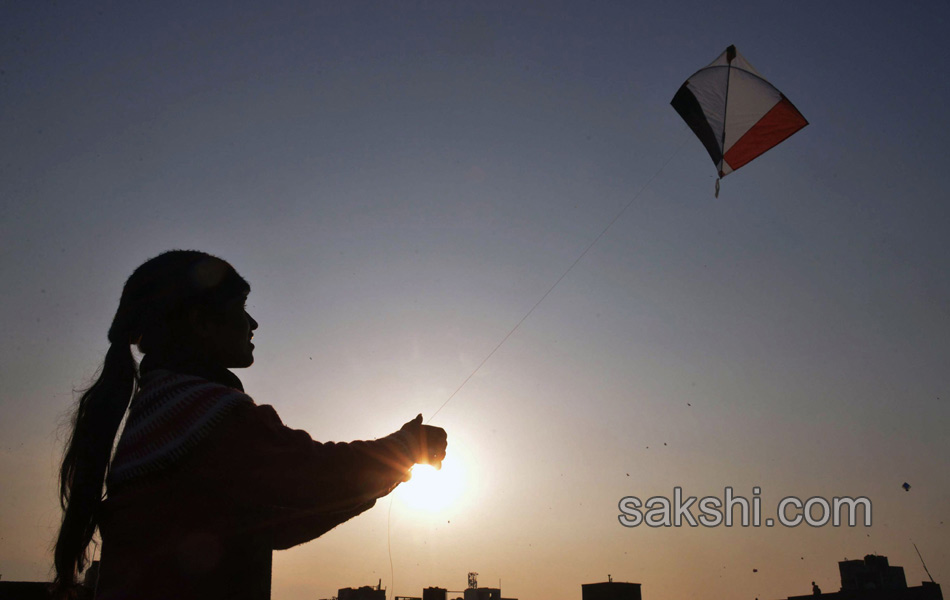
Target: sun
[[433, 490]]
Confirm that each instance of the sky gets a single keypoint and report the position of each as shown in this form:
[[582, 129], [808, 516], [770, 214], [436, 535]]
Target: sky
[[402, 182]]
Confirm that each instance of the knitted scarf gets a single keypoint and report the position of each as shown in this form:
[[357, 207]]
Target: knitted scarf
[[169, 416]]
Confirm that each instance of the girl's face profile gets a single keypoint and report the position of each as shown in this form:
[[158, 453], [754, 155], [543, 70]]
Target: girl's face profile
[[228, 335]]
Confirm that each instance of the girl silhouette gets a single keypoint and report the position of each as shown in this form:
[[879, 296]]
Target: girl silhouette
[[203, 483]]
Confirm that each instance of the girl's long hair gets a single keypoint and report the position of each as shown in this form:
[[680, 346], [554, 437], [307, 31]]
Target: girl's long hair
[[149, 315]]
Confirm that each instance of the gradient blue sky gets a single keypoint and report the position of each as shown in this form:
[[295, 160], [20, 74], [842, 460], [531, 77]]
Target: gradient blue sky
[[401, 182]]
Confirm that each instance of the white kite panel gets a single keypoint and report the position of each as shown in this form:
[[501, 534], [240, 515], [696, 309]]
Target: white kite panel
[[750, 98]]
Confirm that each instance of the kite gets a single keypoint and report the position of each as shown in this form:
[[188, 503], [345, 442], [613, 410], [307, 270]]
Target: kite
[[735, 112]]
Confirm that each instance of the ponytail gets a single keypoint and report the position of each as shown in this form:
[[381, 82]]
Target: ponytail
[[88, 450]]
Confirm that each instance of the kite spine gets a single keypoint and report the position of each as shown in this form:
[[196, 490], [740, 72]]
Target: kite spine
[[730, 54]]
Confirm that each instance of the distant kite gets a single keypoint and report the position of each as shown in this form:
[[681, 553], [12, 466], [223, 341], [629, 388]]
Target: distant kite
[[906, 486], [735, 112]]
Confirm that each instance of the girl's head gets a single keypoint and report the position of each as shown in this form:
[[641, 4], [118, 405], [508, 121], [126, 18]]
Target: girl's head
[[182, 305], [186, 304]]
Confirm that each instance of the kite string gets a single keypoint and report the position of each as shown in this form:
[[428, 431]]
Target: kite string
[[392, 576], [923, 563], [563, 275], [389, 544]]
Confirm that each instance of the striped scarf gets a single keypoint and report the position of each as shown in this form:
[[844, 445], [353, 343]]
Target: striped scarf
[[168, 417]]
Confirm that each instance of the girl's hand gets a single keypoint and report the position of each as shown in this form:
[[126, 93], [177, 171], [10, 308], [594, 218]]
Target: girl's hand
[[427, 443]]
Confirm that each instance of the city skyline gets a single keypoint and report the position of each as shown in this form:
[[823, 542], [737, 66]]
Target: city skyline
[[871, 577]]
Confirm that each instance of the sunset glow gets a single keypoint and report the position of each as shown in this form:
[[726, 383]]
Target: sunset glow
[[433, 490]]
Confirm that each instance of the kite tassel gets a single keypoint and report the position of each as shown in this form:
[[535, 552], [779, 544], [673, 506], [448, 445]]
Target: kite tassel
[[717, 187]]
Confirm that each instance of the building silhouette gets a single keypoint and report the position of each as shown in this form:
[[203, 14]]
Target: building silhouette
[[42, 590], [610, 590], [473, 592], [24, 590], [874, 579], [483, 594], [365, 592]]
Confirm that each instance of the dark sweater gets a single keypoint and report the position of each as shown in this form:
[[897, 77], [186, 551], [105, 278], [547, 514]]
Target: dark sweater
[[206, 484]]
